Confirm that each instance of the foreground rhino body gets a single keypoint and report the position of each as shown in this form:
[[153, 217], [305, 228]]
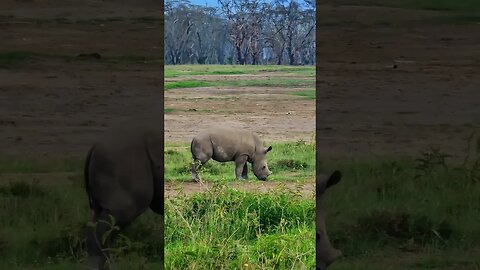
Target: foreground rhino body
[[123, 178], [326, 253], [223, 145]]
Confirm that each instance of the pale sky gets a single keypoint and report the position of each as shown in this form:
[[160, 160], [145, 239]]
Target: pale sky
[[211, 3]]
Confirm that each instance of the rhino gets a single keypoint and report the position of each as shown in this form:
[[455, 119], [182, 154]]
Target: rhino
[[227, 144], [123, 178], [326, 253]]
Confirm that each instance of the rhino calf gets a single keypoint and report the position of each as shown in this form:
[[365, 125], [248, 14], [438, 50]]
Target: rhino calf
[[326, 253], [223, 145], [123, 178]]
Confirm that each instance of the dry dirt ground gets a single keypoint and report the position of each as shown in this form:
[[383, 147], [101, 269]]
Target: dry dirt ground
[[391, 81], [272, 112], [396, 81], [55, 104]]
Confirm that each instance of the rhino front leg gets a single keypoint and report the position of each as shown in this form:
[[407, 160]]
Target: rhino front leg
[[240, 165], [195, 166], [245, 171]]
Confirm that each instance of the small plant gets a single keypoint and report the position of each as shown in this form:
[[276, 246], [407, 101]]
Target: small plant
[[429, 160], [471, 163], [22, 189], [403, 226], [291, 164]]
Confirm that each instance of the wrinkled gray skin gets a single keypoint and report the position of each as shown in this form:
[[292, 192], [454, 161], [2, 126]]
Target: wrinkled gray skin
[[123, 178], [223, 145], [326, 253]]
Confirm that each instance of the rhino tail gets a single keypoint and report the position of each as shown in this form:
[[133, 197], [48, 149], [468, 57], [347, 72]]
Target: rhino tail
[[86, 173], [191, 149]]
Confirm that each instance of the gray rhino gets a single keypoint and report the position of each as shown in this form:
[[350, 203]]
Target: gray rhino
[[225, 144], [123, 177], [326, 253]]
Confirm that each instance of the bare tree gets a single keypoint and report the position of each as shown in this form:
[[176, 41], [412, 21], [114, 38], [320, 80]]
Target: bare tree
[[294, 27], [240, 31], [178, 27], [256, 16], [236, 13], [210, 35]]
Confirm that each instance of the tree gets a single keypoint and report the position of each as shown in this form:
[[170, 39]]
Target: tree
[[240, 31], [178, 27]]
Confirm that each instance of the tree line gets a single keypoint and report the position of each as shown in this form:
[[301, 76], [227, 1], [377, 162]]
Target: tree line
[[240, 32]]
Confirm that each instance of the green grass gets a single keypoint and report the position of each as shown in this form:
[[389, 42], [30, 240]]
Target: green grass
[[305, 76], [48, 165], [386, 213], [309, 94], [190, 70], [42, 227], [277, 82], [451, 5], [15, 57], [186, 84], [168, 110], [403, 205], [294, 161], [227, 229]]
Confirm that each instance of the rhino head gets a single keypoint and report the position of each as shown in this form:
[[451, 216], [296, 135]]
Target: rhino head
[[326, 253], [259, 163]]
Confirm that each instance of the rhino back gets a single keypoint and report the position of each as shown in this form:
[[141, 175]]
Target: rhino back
[[228, 143]]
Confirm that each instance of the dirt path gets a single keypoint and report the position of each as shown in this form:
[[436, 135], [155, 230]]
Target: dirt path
[[188, 188]]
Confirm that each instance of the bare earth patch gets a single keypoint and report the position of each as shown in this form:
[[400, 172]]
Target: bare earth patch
[[395, 81], [273, 112], [173, 189]]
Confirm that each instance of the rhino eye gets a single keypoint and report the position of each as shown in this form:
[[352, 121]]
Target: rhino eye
[[264, 167]]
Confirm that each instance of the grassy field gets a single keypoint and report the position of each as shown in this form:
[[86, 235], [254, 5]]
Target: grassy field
[[293, 161], [295, 76], [229, 229], [42, 227], [190, 70], [385, 214]]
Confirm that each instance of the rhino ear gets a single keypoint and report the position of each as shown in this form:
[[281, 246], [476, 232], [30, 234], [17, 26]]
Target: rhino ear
[[268, 149], [335, 177], [323, 184]]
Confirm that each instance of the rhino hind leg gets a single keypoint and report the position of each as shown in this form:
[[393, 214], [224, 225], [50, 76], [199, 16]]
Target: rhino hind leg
[[196, 164], [107, 223], [98, 239]]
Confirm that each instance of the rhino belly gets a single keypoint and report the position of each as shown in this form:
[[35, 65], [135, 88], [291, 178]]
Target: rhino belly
[[222, 154]]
